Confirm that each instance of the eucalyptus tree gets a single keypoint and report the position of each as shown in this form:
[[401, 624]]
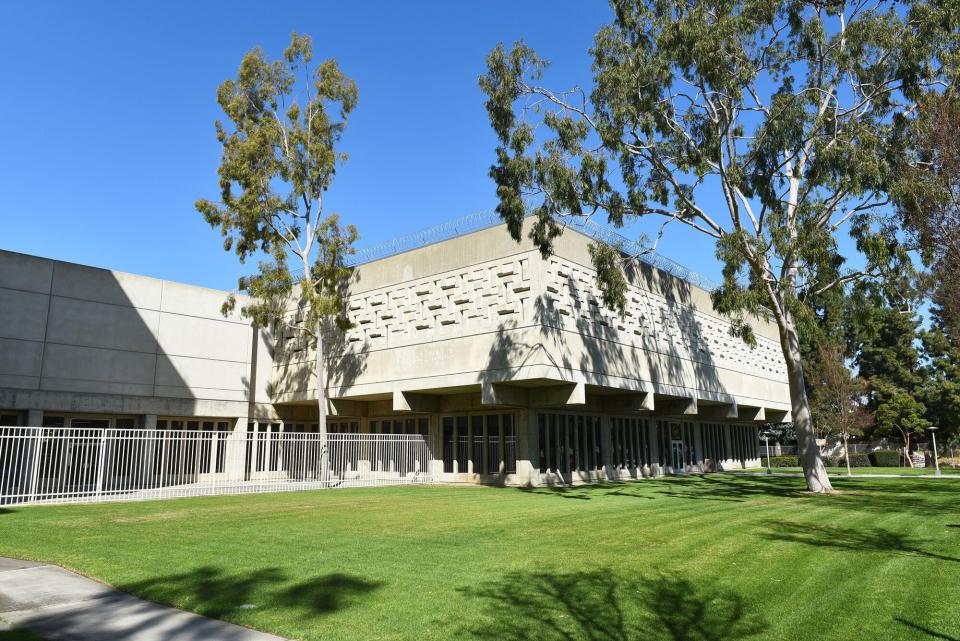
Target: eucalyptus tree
[[279, 157], [929, 198], [771, 126]]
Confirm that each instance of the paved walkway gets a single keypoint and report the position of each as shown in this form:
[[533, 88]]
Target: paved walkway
[[63, 606]]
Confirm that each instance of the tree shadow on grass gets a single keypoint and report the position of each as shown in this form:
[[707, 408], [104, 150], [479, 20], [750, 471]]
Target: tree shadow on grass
[[216, 593], [19, 635], [590, 491], [926, 499], [728, 488], [859, 540], [925, 630], [885, 501], [707, 487], [328, 593], [602, 606], [863, 495]]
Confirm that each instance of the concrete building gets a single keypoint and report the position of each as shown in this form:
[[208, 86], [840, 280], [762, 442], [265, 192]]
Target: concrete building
[[509, 364]]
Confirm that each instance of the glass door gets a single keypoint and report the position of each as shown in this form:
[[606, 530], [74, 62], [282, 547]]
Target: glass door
[[676, 447]]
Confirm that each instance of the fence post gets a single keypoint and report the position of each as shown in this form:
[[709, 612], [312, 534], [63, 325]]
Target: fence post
[[100, 462], [35, 465], [163, 462]]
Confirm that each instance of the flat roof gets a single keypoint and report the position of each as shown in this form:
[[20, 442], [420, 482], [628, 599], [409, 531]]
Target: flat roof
[[485, 219]]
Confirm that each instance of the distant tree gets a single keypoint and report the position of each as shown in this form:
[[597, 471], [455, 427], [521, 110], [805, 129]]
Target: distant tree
[[900, 415], [792, 114], [953, 445], [838, 397], [886, 347], [280, 156], [940, 389], [782, 433], [929, 199], [823, 331], [885, 337], [928, 195]]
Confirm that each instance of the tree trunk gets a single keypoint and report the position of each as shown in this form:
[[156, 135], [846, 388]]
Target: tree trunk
[[907, 460], [322, 406], [813, 470], [846, 454]]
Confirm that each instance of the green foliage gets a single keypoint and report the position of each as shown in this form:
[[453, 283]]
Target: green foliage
[[940, 388], [885, 458], [784, 461], [782, 433], [885, 343], [280, 156], [899, 414], [928, 196], [857, 459], [678, 96], [790, 118], [837, 397]]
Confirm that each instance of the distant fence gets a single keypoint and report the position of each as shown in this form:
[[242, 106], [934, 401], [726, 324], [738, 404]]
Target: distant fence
[[835, 449], [80, 465]]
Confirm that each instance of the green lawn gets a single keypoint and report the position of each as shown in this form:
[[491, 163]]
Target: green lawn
[[19, 635], [16, 635], [904, 471], [711, 558]]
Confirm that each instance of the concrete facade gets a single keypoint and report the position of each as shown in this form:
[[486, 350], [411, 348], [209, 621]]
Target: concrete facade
[[512, 364]]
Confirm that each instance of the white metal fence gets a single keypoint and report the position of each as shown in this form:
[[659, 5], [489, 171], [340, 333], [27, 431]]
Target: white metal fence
[[79, 465]]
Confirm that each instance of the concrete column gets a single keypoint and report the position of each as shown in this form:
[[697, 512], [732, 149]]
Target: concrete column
[[31, 459], [235, 463], [755, 447], [526, 447], [728, 461], [654, 447], [436, 444], [149, 450], [698, 445], [606, 441]]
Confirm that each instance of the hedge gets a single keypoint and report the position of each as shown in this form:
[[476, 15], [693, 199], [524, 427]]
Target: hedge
[[885, 458], [857, 459], [784, 461]]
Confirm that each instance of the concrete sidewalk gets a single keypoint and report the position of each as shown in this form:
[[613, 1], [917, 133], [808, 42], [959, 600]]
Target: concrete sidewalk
[[63, 606]]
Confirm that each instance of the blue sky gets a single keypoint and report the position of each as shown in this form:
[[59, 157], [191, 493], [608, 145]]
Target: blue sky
[[107, 123]]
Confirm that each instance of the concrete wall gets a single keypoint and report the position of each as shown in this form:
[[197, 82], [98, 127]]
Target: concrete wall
[[480, 312], [82, 339]]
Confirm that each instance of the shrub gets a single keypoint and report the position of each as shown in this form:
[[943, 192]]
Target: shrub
[[885, 458], [857, 459], [784, 461]]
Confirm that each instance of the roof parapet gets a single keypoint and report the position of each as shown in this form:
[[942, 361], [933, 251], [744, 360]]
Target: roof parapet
[[481, 220]]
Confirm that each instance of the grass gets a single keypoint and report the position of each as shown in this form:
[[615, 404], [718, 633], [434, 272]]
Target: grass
[[901, 471], [16, 634], [698, 558], [19, 635]]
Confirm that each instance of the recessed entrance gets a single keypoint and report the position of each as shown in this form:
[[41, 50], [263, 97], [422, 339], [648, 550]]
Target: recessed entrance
[[676, 447]]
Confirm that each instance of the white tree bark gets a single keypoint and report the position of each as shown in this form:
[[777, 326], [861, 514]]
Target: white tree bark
[[846, 453], [813, 470], [322, 405]]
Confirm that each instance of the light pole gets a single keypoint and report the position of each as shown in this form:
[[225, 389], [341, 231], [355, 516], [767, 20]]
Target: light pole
[[936, 461]]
